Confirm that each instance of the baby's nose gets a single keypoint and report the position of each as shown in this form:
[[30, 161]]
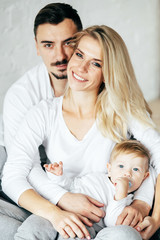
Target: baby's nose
[[127, 174]]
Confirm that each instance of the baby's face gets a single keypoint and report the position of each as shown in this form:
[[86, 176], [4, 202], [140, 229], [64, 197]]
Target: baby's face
[[130, 166]]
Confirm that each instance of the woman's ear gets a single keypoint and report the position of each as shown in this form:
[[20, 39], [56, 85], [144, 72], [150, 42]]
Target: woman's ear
[[109, 169]]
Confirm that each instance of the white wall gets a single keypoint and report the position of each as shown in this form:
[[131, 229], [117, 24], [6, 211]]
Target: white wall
[[137, 21]]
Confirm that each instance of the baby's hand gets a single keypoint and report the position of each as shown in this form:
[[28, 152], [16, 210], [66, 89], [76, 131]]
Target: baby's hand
[[55, 168], [121, 186]]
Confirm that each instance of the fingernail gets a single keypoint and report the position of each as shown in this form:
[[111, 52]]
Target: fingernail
[[138, 229], [88, 237]]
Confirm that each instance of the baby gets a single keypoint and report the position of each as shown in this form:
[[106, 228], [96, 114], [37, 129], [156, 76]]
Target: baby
[[127, 169]]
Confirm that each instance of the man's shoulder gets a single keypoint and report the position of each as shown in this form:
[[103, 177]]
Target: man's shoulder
[[32, 75], [33, 85]]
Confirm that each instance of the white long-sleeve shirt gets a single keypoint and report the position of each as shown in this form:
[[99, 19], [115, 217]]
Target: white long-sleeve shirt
[[28, 91], [98, 186], [45, 124]]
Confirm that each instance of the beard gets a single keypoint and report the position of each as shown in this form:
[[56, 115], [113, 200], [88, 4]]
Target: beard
[[63, 76], [60, 76]]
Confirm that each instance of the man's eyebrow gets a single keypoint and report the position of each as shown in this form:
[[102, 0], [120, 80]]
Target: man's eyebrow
[[96, 59], [68, 39], [45, 41]]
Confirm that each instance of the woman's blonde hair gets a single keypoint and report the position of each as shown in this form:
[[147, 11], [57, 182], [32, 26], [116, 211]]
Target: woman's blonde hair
[[120, 96]]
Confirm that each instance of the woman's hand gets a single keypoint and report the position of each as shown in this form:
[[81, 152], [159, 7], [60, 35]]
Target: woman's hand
[[86, 207], [133, 214], [148, 227], [68, 224]]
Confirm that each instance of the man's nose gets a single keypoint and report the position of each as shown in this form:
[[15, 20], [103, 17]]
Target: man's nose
[[59, 53]]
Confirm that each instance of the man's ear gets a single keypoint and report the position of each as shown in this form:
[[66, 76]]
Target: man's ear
[[38, 53], [109, 169]]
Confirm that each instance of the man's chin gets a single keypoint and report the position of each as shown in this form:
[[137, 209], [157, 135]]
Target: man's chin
[[59, 76]]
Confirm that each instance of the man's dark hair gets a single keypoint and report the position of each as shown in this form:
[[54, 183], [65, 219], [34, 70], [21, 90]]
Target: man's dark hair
[[55, 13]]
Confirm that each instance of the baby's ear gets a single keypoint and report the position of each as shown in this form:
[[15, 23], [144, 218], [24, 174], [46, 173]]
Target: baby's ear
[[109, 169], [146, 175]]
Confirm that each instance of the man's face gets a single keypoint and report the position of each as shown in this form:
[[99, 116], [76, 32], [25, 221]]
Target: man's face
[[52, 42]]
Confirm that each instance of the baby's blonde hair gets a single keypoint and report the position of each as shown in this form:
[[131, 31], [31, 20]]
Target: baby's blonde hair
[[130, 147]]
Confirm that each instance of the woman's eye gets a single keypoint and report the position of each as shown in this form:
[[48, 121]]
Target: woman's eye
[[96, 64], [135, 169], [79, 54], [121, 166]]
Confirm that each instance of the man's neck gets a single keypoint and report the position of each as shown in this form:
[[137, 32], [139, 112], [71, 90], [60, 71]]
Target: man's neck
[[58, 86]]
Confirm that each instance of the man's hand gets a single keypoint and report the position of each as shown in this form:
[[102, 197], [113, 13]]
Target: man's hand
[[86, 207], [133, 214], [148, 227]]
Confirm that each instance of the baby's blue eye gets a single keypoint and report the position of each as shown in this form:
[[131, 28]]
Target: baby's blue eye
[[135, 169], [121, 166]]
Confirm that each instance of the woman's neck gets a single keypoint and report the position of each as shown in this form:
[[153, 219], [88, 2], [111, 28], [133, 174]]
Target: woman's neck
[[81, 103]]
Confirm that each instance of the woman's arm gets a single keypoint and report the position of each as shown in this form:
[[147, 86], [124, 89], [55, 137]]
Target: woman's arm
[[150, 224], [34, 203]]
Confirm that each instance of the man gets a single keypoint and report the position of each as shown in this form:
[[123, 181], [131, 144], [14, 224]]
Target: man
[[54, 27]]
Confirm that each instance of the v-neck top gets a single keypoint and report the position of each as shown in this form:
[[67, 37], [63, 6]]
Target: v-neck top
[[45, 124]]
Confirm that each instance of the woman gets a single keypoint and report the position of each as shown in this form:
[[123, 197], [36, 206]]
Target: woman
[[102, 105]]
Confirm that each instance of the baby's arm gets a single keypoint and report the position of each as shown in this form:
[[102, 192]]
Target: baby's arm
[[55, 174], [55, 168], [121, 187]]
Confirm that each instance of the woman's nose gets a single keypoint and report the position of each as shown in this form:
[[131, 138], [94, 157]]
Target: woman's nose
[[83, 67]]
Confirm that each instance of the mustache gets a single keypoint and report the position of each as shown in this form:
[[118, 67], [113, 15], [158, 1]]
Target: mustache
[[64, 61]]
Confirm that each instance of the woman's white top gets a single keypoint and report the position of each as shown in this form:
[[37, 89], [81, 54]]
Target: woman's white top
[[45, 124]]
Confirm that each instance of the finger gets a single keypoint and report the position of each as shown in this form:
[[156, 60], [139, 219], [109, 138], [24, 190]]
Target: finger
[[121, 218], [63, 233], [98, 212], [95, 202], [135, 222], [45, 165], [85, 220], [61, 164], [54, 165], [80, 229], [128, 220], [69, 231], [142, 225]]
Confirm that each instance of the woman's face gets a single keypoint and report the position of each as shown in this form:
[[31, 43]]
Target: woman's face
[[85, 66]]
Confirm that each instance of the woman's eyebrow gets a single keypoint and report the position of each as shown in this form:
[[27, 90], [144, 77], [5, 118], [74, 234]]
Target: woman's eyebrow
[[96, 59]]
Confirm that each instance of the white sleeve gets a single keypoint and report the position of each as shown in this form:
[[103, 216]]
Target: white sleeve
[[115, 208], [17, 102], [50, 190], [21, 155], [151, 139]]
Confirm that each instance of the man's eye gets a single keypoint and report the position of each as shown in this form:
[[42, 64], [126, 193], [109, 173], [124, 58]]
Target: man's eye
[[96, 64], [121, 166], [48, 45], [135, 169], [67, 43]]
